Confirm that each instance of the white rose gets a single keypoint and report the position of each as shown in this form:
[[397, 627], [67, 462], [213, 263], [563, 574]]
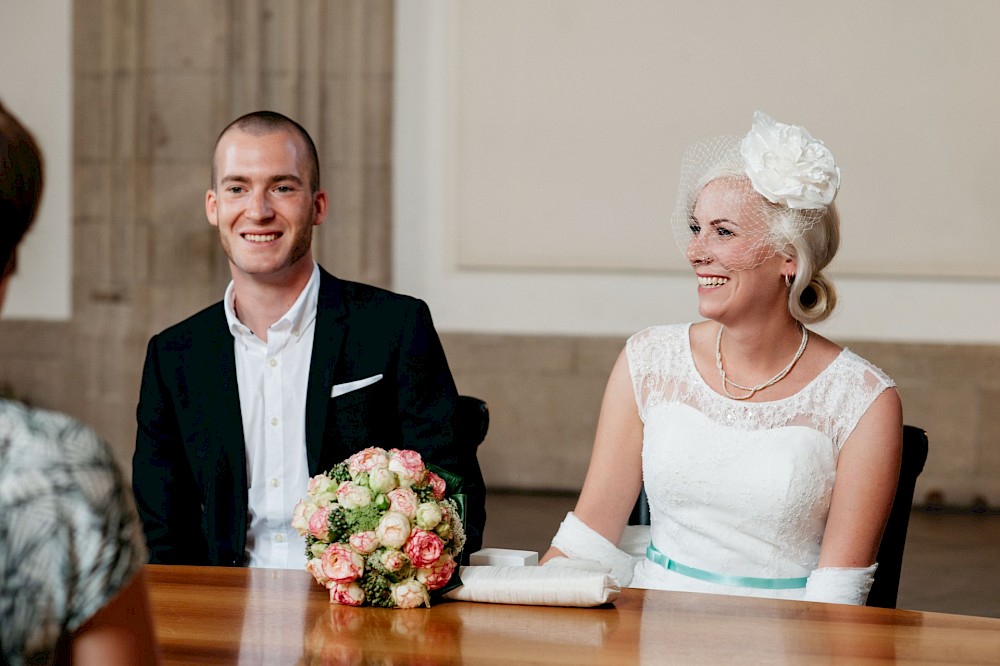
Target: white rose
[[428, 515], [350, 495], [410, 594], [786, 165], [381, 480], [392, 560], [393, 530], [301, 514]]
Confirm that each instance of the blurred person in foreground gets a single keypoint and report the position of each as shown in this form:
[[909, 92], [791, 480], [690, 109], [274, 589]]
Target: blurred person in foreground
[[71, 551], [768, 453]]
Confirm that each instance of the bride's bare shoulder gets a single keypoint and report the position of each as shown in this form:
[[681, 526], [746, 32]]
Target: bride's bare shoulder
[[702, 333]]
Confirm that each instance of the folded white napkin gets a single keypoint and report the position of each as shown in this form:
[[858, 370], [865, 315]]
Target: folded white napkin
[[535, 586]]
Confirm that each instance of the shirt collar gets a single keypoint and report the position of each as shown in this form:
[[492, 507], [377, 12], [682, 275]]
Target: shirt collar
[[297, 318]]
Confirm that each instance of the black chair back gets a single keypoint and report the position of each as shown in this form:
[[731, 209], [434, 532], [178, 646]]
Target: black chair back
[[885, 588], [640, 512], [890, 552], [472, 420]]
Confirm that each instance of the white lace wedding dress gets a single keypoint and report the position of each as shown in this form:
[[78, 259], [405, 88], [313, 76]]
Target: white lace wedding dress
[[738, 489]]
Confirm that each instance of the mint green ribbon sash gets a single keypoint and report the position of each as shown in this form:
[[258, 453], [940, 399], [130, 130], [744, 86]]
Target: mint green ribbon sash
[[654, 555]]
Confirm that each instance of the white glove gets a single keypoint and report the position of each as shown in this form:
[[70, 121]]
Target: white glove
[[840, 585], [579, 542], [578, 563]]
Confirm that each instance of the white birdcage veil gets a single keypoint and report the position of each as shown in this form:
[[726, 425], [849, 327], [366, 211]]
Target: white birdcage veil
[[778, 182]]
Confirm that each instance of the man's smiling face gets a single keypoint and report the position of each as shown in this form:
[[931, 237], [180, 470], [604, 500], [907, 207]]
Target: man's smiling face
[[263, 205]]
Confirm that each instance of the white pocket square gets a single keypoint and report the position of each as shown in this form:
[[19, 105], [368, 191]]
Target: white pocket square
[[347, 387]]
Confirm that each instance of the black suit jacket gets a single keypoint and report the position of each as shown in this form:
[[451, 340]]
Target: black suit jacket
[[189, 471]]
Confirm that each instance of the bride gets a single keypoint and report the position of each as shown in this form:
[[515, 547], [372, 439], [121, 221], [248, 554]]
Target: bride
[[769, 454]]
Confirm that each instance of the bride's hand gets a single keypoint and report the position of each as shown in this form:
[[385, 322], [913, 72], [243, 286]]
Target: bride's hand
[[552, 552]]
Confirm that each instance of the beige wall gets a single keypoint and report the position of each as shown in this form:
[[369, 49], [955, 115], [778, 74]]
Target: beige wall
[[539, 144], [153, 84], [545, 392], [35, 50]]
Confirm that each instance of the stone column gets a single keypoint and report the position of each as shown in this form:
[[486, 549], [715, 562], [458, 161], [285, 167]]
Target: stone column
[[154, 83]]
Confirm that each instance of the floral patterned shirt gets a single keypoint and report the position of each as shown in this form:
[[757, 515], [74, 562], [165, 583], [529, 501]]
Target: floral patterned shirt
[[70, 538]]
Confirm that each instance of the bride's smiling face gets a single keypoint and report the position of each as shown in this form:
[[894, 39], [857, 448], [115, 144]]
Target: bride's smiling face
[[731, 249]]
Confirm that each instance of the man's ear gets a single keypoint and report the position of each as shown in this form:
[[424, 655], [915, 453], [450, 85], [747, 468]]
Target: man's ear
[[211, 211], [320, 203]]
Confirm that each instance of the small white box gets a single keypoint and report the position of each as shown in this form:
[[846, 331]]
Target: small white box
[[504, 557]]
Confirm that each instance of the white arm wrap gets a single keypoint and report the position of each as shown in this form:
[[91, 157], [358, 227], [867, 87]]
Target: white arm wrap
[[840, 585], [578, 541]]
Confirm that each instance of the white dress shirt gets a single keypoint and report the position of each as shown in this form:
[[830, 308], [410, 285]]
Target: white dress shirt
[[273, 379]]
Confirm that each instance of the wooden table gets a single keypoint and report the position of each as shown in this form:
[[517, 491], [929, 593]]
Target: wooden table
[[214, 615]]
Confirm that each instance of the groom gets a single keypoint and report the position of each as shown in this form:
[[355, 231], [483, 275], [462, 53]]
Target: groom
[[291, 373]]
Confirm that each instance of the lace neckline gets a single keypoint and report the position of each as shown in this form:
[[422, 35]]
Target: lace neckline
[[693, 370]]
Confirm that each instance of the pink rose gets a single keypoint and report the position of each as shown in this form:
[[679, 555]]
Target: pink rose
[[319, 526], [437, 484], [404, 501], [320, 485], [423, 548], [393, 530], [410, 594], [315, 567], [347, 594], [364, 542], [341, 564], [408, 466], [438, 574], [392, 560], [351, 495], [367, 460]]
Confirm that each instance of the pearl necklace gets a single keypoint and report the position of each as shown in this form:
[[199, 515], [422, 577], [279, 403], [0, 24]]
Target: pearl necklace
[[753, 389]]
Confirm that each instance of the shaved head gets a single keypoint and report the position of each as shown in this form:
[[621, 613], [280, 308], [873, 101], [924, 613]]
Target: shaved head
[[267, 122]]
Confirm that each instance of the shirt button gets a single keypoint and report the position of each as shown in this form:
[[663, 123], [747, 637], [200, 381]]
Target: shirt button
[[274, 420], [275, 482], [279, 538], [295, 332], [273, 363]]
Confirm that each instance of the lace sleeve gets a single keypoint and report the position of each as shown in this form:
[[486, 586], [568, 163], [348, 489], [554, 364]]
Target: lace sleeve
[[849, 389], [656, 363]]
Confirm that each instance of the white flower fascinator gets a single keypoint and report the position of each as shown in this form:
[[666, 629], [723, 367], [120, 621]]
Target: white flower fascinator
[[794, 174], [786, 165]]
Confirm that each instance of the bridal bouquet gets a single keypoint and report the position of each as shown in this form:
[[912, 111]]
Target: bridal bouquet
[[382, 528]]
